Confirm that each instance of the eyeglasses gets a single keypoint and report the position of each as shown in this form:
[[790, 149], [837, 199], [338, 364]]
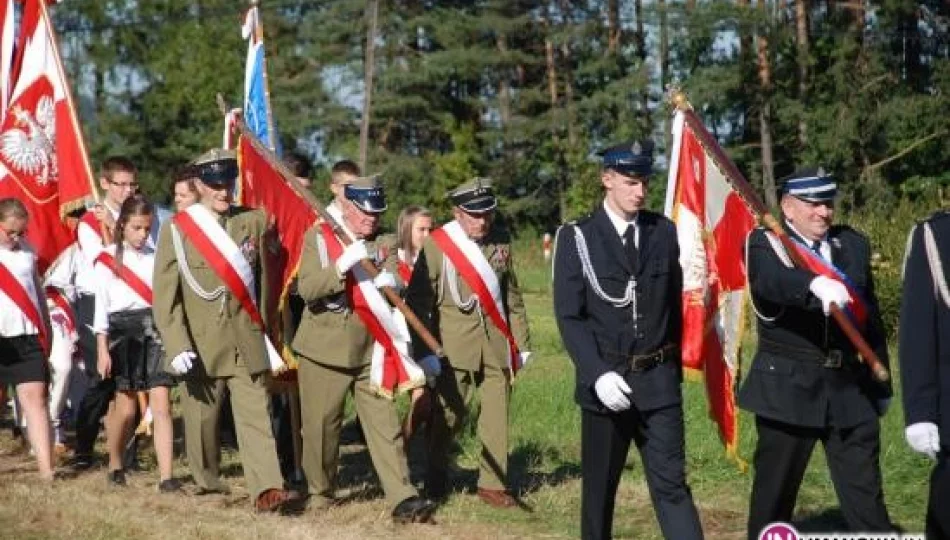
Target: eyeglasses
[[14, 234], [121, 185]]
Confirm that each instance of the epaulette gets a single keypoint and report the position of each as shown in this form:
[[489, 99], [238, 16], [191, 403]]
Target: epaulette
[[579, 221], [938, 216], [839, 229]]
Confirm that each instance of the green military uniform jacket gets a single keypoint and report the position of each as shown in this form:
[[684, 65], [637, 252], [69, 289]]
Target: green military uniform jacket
[[220, 331], [468, 337], [330, 333]]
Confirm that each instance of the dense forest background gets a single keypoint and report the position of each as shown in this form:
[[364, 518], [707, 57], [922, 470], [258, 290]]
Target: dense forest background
[[525, 91]]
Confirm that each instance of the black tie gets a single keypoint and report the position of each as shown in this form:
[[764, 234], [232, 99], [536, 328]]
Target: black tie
[[630, 246], [816, 247]]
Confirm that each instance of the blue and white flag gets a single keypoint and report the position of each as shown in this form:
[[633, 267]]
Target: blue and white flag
[[257, 111]]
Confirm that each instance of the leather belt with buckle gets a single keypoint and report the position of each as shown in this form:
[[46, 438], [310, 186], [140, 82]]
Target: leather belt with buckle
[[646, 362], [830, 359]]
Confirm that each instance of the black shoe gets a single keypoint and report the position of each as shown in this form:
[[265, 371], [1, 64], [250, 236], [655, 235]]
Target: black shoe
[[82, 462], [116, 477], [170, 485], [415, 509]]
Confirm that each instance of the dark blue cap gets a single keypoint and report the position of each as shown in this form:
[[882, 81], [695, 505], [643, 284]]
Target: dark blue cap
[[632, 158], [367, 193], [811, 184]]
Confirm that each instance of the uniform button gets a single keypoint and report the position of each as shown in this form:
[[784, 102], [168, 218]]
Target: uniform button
[[640, 335]]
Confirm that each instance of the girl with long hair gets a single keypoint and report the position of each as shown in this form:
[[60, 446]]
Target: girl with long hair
[[128, 348]]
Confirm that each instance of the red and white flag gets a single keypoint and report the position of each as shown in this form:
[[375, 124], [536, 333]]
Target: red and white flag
[[712, 223], [261, 186], [43, 160]]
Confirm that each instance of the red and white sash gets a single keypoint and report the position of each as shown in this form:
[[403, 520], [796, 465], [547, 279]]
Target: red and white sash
[[391, 367], [137, 284], [227, 260], [478, 274], [18, 294]]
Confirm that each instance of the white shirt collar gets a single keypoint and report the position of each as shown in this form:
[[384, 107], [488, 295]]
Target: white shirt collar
[[824, 246], [619, 223]]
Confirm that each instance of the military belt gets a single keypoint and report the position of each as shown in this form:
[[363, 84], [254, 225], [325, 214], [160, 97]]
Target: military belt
[[646, 362], [830, 359]]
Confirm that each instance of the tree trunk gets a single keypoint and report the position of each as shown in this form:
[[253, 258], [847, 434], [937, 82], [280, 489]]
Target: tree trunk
[[801, 30], [613, 26], [765, 112], [664, 44], [642, 53], [372, 13], [551, 70], [504, 86], [568, 70]]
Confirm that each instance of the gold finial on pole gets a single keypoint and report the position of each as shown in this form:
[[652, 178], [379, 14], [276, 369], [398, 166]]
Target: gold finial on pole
[[676, 97]]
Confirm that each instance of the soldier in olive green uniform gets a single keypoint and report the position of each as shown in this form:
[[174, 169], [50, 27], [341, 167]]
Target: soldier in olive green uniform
[[335, 350], [212, 343], [477, 352]]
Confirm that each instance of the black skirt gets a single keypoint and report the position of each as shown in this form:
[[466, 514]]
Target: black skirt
[[22, 360], [136, 351]]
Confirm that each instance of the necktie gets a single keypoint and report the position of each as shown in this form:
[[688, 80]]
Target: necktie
[[630, 246], [816, 247]]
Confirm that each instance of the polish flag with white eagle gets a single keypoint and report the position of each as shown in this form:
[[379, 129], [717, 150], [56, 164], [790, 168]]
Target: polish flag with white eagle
[[43, 160], [712, 223]]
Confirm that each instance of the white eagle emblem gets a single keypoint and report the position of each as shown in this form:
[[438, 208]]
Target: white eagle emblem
[[32, 151]]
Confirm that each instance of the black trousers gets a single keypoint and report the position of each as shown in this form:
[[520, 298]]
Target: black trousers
[[781, 457], [938, 516], [95, 402], [659, 435], [283, 430]]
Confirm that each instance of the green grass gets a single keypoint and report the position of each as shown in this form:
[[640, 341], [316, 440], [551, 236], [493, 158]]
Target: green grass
[[545, 462]]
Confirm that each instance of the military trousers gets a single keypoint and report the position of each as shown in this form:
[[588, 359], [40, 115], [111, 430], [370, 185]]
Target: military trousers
[[938, 519], [323, 392], [781, 456], [456, 390], [201, 400], [659, 435]]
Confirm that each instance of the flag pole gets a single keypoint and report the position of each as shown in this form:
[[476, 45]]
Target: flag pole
[[431, 342], [44, 14], [748, 194]]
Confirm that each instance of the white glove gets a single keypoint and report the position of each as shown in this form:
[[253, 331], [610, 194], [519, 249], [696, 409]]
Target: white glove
[[923, 437], [829, 291], [183, 363], [351, 256], [525, 356], [612, 391], [431, 366], [384, 278], [277, 365]]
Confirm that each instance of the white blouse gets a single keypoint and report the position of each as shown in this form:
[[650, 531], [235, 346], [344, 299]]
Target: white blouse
[[21, 263], [113, 294]]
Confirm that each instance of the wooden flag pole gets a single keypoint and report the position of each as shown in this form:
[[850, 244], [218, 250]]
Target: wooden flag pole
[[390, 293], [754, 202]]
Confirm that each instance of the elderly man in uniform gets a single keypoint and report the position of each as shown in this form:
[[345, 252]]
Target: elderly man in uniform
[[464, 287], [617, 300], [806, 383], [925, 359], [335, 347], [209, 279]]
